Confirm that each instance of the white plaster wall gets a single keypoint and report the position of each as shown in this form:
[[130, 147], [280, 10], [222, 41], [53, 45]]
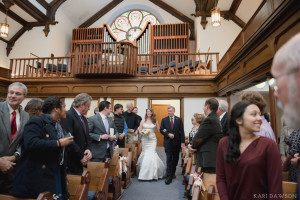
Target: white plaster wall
[[192, 106], [4, 61], [142, 105]]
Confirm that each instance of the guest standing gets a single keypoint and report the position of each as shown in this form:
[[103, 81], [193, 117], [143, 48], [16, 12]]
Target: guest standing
[[121, 125], [196, 121], [132, 123], [41, 167], [248, 165], [34, 107], [224, 118]]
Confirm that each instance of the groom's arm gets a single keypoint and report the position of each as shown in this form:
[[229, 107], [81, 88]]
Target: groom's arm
[[162, 127]]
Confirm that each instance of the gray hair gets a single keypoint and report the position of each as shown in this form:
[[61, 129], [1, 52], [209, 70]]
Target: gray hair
[[130, 104], [287, 57], [81, 98], [171, 107], [19, 84], [223, 105]]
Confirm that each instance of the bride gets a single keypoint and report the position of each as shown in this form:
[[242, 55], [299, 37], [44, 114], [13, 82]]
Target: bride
[[149, 165]]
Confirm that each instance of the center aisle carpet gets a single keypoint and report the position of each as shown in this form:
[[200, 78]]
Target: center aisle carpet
[[144, 190]]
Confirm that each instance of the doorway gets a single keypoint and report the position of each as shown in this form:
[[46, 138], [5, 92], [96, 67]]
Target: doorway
[[160, 108]]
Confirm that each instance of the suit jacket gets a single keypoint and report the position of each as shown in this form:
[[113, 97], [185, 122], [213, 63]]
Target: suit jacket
[[225, 124], [8, 147], [177, 131], [97, 129], [206, 140], [40, 160], [82, 140]]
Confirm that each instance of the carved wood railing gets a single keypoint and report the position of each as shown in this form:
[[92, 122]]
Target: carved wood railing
[[177, 64], [114, 58], [41, 67]]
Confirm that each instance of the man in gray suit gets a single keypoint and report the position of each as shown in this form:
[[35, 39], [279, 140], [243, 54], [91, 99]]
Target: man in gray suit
[[12, 121], [100, 127]]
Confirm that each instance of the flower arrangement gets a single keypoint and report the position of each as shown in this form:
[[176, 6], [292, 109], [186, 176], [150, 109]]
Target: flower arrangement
[[145, 132]]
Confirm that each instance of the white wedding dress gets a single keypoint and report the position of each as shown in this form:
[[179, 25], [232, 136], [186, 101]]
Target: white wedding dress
[[149, 165]]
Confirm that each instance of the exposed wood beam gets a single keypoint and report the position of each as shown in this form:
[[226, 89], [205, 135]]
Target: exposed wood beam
[[8, 3], [54, 5], [4, 40], [13, 15], [234, 6], [176, 14], [31, 10], [100, 13], [43, 3]]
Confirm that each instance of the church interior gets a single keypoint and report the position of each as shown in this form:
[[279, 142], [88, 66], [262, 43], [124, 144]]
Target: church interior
[[152, 53]]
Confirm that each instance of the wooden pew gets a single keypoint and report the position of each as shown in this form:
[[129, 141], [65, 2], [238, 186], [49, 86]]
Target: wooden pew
[[42, 196], [115, 186], [139, 148], [126, 177], [187, 170], [288, 190], [78, 186], [99, 179], [211, 193], [134, 148], [190, 181]]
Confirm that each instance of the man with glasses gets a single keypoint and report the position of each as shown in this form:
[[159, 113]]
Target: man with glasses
[[286, 85], [12, 121]]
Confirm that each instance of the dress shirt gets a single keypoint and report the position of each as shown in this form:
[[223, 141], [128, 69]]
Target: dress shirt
[[103, 117], [221, 116]]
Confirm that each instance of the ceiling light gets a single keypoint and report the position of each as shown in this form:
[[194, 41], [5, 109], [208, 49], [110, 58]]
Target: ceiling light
[[4, 28]]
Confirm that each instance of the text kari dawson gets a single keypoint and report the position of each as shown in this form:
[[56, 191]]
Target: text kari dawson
[[274, 196]]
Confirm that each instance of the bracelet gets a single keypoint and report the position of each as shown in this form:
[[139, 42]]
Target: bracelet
[[59, 144]]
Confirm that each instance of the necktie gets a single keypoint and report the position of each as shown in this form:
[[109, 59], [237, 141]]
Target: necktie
[[83, 123], [13, 125], [172, 122], [107, 129]]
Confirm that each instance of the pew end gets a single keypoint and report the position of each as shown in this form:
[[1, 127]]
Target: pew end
[[78, 186]]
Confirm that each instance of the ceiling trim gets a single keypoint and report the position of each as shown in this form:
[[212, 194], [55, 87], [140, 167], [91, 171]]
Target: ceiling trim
[[31, 10], [100, 13], [43, 3], [13, 15], [179, 15], [234, 6]]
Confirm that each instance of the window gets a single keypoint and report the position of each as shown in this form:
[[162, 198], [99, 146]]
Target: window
[[130, 24]]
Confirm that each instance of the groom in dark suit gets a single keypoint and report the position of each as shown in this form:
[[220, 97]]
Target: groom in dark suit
[[172, 129]]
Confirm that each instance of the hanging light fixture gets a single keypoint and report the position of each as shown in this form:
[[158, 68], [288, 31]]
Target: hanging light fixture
[[4, 28], [215, 16]]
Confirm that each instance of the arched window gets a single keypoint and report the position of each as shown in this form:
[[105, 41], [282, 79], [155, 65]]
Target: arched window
[[129, 25]]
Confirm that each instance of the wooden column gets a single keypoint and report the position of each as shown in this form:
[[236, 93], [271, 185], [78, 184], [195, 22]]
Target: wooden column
[[228, 94], [273, 111]]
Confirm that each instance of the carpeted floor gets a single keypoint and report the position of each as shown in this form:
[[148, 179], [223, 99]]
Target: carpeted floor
[[149, 190]]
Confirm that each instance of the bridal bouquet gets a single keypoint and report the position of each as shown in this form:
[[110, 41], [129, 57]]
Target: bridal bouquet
[[145, 132]]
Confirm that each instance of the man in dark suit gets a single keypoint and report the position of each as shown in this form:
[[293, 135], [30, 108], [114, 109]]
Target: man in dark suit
[[79, 151], [12, 122], [172, 129], [224, 118], [101, 127], [207, 138]]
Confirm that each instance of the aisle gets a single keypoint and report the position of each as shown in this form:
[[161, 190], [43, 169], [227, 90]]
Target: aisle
[[144, 190]]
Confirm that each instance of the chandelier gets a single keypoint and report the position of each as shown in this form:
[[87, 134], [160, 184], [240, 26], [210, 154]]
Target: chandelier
[[215, 16], [4, 28]]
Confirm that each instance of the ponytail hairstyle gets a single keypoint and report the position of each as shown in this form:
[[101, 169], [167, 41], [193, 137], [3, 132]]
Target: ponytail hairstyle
[[234, 140]]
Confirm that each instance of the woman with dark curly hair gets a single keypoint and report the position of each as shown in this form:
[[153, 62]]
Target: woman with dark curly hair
[[42, 166], [248, 165], [257, 99]]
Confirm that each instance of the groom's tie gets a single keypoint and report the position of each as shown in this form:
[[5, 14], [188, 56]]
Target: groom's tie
[[172, 122]]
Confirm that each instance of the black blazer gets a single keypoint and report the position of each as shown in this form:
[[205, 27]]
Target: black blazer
[[72, 123], [40, 160], [225, 124], [206, 140], [177, 131]]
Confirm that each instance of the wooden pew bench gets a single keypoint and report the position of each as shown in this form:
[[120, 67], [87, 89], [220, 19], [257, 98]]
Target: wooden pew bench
[[42, 196], [115, 179], [126, 177], [78, 186], [99, 180], [211, 193], [288, 190], [134, 149]]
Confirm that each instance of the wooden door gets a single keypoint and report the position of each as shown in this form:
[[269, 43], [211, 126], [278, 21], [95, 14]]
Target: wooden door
[[161, 111]]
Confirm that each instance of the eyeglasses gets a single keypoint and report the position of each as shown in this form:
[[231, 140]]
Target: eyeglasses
[[274, 81], [16, 93]]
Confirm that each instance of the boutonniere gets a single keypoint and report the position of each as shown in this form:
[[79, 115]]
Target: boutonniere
[[176, 118]]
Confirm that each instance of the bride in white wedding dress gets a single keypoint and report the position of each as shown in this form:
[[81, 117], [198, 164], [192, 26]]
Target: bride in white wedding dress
[[149, 165]]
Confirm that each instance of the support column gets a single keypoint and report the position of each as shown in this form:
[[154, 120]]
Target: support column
[[197, 34]]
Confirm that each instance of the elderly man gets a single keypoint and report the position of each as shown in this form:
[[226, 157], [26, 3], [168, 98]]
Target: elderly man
[[286, 73], [224, 118], [132, 123], [12, 121]]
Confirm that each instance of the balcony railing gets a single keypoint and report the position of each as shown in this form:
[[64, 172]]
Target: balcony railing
[[205, 64], [41, 67], [110, 58]]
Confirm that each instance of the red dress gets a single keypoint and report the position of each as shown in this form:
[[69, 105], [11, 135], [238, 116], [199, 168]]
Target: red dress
[[257, 173]]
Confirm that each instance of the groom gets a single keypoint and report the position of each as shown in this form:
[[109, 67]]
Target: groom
[[172, 129]]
